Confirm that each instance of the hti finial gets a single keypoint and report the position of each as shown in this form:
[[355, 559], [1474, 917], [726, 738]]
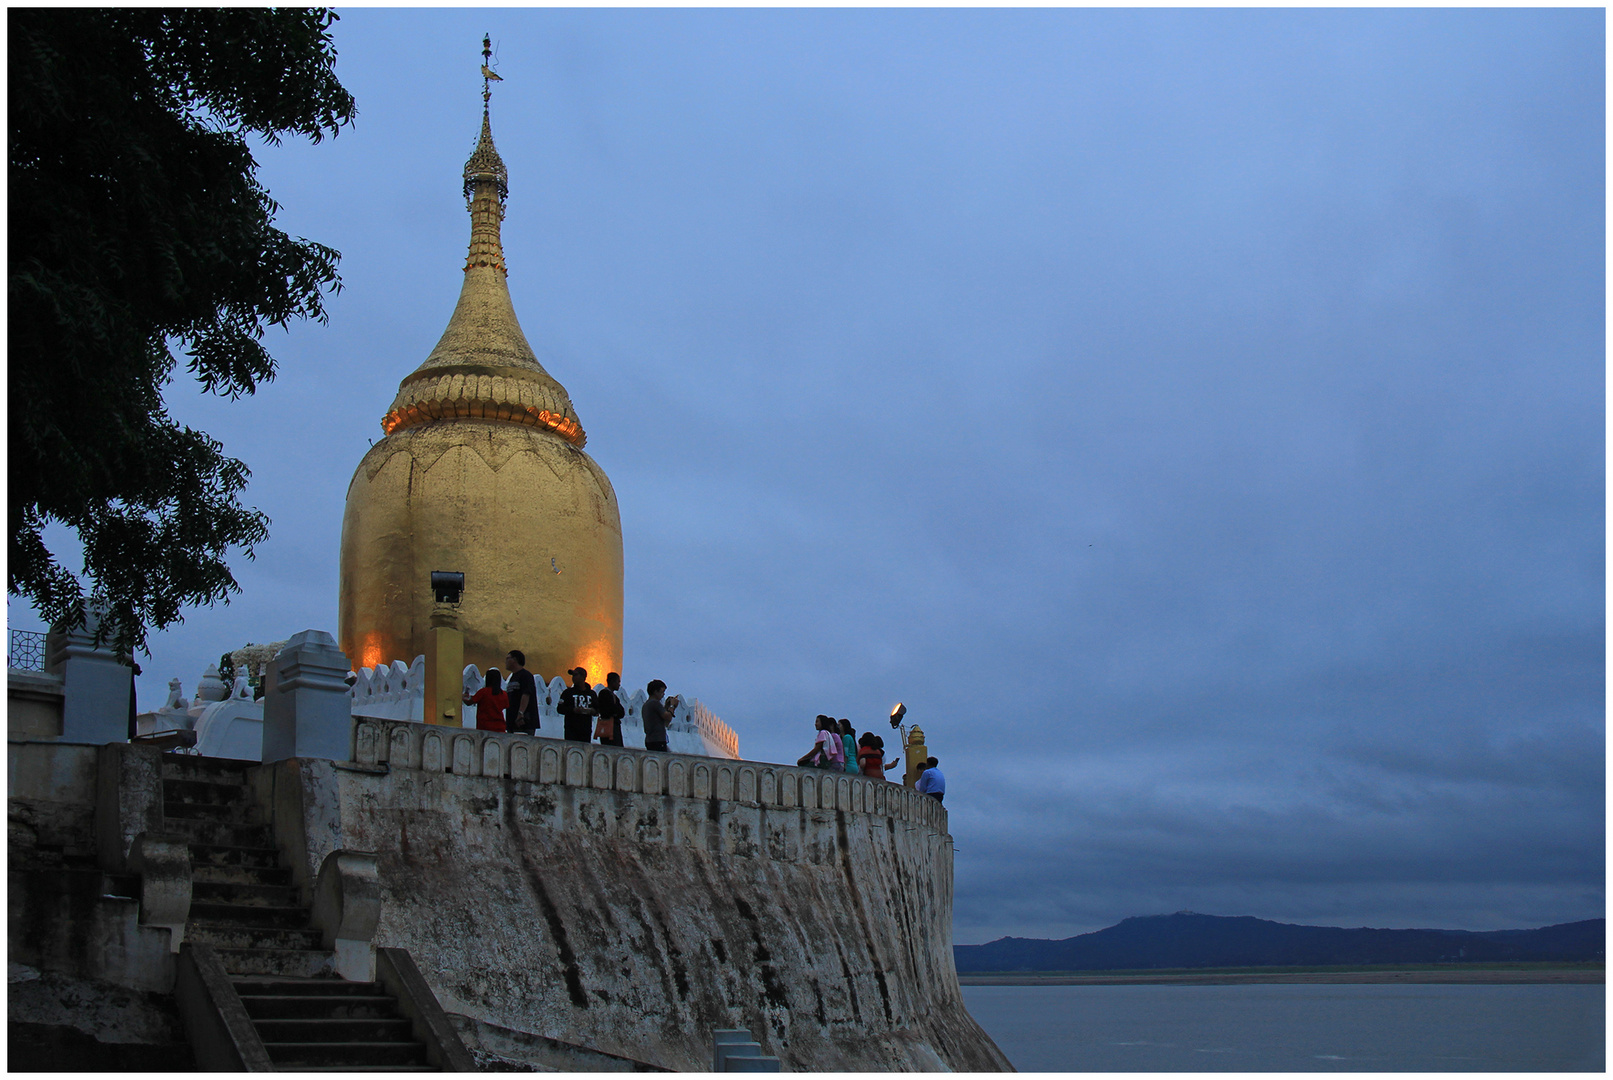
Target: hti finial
[[484, 163], [489, 76]]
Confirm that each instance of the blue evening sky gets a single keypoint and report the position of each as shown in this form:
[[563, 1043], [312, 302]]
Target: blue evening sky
[[1196, 417]]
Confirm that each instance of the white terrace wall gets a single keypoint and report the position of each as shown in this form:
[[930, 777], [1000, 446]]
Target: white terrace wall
[[397, 692], [229, 723], [634, 901]]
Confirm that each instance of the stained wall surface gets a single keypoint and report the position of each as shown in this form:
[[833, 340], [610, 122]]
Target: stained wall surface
[[633, 902]]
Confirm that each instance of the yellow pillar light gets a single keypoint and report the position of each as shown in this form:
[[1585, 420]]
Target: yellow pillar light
[[445, 652], [917, 752]]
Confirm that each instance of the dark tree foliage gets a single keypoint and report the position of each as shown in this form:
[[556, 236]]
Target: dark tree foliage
[[138, 226]]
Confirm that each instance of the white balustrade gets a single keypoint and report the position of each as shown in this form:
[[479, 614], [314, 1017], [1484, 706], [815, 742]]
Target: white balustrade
[[396, 691]]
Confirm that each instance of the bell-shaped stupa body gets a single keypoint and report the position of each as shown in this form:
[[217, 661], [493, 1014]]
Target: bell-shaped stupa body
[[482, 471]]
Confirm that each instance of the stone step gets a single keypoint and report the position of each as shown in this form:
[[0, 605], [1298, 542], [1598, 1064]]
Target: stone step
[[293, 1054], [299, 963], [285, 987], [225, 874], [195, 767], [358, 1068], [244, 894], [324, 1006], [233, 936], [220, 833], [248, 915], [205, 791], [389, 1029], [234, 856], [229, 813], [325, 1029]]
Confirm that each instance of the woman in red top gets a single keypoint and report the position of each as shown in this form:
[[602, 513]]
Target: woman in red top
[[871, 754], [490, 702]]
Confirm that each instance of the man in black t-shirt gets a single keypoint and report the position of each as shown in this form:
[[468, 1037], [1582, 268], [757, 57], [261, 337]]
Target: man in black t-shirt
[[521, 714], [579, 705]]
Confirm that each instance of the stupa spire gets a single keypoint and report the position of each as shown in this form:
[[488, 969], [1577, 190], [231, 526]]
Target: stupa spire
[[482, 367], [487, 182]]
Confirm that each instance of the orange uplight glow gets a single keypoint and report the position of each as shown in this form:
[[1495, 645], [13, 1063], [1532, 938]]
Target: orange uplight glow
[[422, 412], [597, 658], [371, 652]]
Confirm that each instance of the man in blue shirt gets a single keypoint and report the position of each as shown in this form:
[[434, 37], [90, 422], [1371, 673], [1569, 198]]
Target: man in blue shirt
[[931, 782]]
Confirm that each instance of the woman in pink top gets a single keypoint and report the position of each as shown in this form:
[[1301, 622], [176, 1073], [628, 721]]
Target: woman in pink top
[[826, 752]]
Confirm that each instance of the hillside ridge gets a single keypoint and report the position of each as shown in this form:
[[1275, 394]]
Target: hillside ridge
[[1188, 939]]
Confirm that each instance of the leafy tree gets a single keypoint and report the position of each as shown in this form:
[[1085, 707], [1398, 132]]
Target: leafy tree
[[138, 228]]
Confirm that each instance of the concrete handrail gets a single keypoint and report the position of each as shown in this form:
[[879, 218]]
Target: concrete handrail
[[347, 908], [163, 863], [221, 1033], [395, 970], [403, 744]]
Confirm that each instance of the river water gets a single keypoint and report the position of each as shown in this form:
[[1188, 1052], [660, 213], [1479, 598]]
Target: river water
[[1296, 1028]]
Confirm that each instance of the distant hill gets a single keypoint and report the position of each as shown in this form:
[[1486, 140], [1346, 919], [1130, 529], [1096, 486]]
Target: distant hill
[[1190, 940]]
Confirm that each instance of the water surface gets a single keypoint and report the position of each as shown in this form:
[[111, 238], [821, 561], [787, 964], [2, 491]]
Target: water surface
[[1295, 1028]]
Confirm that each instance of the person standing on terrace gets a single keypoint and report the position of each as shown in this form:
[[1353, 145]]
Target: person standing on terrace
[[654, 715], [608, 729], [579, 705], [491, 702], [522, 714]]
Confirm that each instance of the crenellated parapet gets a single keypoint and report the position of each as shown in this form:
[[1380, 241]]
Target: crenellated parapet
[[501, 755]]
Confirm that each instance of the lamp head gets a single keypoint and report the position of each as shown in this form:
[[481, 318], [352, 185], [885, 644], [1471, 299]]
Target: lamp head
[[446, 586], [897, 714]]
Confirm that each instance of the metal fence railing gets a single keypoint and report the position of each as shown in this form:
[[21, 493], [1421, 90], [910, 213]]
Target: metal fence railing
[[27, 651]]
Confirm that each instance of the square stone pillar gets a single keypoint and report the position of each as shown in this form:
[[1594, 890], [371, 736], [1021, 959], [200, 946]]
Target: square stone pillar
[[445, 669], [96, 685], [307, 711]]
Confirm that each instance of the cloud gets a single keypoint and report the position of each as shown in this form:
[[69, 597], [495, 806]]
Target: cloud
[[1194, 417]]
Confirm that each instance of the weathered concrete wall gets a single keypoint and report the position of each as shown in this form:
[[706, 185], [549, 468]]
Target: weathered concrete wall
[[632, 902], [62, 912], [33, 705], [50, 790], [58, 1023]]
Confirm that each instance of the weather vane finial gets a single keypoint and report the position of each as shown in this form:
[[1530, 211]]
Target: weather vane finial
[[489, 76]]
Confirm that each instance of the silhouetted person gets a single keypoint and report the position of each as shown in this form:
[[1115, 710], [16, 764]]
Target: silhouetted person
[[827, 751], [492, 703], [611, 712], [871, 756], [579, 705], [522, 709], [655, 716], [848, 745]]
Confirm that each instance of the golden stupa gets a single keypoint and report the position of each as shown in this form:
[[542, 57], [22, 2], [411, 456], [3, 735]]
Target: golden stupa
[[482, 471]]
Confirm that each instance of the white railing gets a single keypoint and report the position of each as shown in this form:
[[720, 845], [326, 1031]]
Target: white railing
[[397, 692], [401, 744]]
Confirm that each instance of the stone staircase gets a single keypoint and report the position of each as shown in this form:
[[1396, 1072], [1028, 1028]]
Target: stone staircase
[[243, 902], [245, 906], [330, 1025]]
